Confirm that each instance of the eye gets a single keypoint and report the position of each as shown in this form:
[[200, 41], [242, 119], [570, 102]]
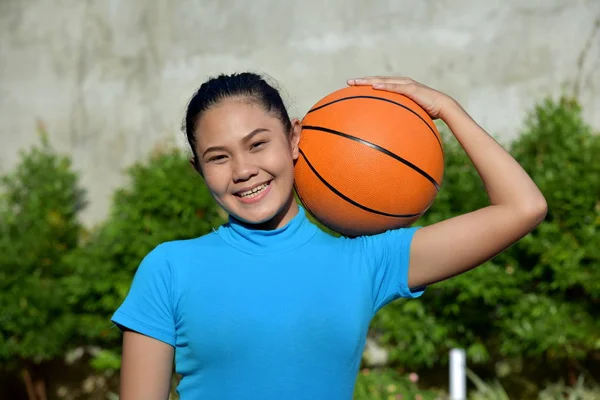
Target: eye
[[258, 145], [218, 158]]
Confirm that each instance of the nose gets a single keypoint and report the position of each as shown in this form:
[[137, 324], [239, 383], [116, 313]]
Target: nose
[[243, 170]]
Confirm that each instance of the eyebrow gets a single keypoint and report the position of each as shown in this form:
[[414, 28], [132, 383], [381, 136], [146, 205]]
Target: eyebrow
[[246, 138]]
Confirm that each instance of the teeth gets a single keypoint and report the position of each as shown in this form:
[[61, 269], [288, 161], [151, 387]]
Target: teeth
[[254, 192]]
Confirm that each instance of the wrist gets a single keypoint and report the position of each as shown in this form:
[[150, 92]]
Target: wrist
[[450, 109]]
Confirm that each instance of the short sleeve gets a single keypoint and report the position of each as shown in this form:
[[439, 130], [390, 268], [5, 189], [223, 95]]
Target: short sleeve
[[388, 258], [148, 307]]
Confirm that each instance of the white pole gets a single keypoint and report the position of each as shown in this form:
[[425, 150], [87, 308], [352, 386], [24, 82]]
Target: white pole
[[458, 376]]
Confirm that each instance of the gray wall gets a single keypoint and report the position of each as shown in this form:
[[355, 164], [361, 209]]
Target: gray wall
[[110, 79]]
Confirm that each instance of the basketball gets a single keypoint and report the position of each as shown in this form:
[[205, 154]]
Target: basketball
[[370, 161]]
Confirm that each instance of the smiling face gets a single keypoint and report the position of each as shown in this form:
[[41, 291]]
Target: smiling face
[[247, 161]]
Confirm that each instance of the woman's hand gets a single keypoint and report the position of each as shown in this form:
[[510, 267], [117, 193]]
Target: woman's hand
[[434, 102]]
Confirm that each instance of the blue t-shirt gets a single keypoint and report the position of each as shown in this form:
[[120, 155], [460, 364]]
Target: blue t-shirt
[[279, 314]]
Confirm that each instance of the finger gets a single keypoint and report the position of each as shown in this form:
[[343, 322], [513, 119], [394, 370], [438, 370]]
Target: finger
[[371, 80], [403, 88], [366, 80]]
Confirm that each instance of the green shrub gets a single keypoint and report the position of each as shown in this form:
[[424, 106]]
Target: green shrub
[[557, 267], [384, 384], [39, 205], [484, 390], [580, 391], [555, 391]]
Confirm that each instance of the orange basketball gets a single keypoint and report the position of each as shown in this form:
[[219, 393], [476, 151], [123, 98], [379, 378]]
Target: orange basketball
[[370, 161]]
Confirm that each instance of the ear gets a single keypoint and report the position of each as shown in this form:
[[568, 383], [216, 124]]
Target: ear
[[295, 137], [196, 167]]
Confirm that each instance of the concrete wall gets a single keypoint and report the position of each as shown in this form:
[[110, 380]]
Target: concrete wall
[[110, 79]]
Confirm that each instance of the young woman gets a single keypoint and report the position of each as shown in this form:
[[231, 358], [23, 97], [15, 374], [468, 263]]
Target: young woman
[[268, 306]]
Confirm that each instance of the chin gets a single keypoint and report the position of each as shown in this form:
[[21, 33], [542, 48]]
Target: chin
[[259, 215], [254, 217]]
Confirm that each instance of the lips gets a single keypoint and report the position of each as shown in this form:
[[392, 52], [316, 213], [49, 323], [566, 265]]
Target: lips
[[253, 191]]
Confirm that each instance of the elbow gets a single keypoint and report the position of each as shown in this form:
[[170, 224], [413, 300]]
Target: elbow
[[534, 211], [541, 211]]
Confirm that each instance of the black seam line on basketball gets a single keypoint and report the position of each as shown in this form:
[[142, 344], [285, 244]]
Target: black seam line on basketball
[[349, 200], [382, 99], [378, 148]]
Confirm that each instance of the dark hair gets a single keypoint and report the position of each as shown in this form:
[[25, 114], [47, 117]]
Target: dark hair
[[249, 85]]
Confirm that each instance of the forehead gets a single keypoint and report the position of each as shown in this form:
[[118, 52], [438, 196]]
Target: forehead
[[234, 117]]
